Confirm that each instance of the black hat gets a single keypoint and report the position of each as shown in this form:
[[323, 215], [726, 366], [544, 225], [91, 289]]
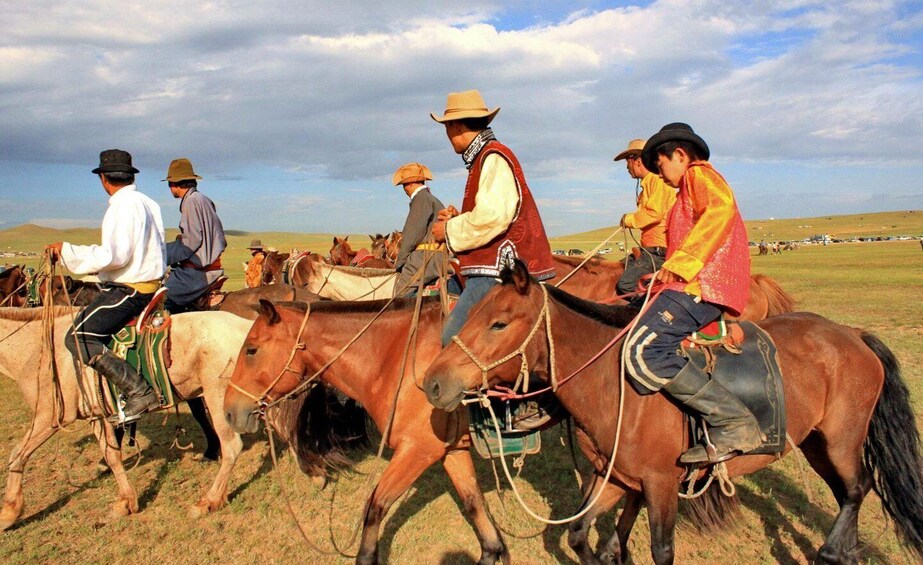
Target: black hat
[[676, 131], [114, 161]]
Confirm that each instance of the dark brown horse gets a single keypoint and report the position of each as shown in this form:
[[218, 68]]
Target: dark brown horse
[[847, 409], [12, 289], [369, 371]]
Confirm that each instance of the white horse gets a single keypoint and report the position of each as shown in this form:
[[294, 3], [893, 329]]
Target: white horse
[[344, 283], [204, 352]]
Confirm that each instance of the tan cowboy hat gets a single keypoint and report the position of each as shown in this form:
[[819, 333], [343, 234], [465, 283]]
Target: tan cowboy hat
[[256, 244], [468, 104], [634, 150], [181, 169], [412, 172]]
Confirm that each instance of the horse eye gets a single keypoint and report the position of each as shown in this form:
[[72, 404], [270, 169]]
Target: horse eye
[[251, 351], [497, 326]]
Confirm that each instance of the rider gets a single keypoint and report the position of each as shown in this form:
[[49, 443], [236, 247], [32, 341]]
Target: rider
[[130, 263], [195, 255], [707, 271], [424, 207], [499, 221], [654, 203], [253, 275]]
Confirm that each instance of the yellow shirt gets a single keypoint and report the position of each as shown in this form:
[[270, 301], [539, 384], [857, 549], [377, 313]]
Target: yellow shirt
[[654, 204], [254, 274]]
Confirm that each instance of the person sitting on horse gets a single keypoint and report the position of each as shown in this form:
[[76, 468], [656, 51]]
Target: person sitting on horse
[[253, 275], [195, 256], [707, 272], [654, 200], [130, 263], [416, 240], [499, 221]]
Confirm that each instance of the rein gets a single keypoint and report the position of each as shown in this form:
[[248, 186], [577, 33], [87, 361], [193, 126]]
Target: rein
[[589, 256]]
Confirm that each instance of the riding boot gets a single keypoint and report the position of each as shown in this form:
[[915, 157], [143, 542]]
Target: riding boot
[[731, 427], [139, 396]]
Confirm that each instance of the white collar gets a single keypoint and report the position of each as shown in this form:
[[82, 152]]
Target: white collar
[[125, 189], [417, 191]]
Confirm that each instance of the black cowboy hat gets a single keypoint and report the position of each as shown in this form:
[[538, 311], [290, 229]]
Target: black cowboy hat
[[114, 161], [677, 131]]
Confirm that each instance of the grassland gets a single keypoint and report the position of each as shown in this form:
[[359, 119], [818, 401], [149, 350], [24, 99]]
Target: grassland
[[786, 510]]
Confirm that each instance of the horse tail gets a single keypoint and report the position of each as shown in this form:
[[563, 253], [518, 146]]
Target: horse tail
[[892, 452], [778, 301], [712, 512]]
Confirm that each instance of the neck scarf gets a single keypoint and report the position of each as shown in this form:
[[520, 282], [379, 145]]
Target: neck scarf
[[476, 145]]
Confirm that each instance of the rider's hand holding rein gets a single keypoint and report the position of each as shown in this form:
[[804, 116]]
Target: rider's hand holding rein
[[668, 277], [54, 250]]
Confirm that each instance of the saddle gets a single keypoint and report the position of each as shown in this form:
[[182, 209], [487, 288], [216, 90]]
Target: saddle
[[145, 344], [741, 356], [520, 421], [361, 257], [211, 296]]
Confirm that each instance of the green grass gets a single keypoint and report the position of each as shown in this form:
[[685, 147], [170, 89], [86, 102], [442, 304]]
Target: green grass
[[785, 515]]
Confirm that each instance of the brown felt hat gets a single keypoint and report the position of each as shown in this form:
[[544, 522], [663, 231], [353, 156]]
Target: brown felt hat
[[181, 169], [412, 172], [114, 161], [634, 150], [256, 244], [468, 104]]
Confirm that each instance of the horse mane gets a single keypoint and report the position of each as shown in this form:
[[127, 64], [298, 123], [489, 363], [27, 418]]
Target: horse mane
[[358, 306], [615, 315], [779, 301], [32, 314]]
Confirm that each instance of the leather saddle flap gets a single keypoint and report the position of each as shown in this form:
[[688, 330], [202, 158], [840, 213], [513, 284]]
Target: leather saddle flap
[[754, 377]]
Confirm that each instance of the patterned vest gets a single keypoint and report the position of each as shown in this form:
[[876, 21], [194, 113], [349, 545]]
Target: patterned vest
[[525, 238], [725, 277]]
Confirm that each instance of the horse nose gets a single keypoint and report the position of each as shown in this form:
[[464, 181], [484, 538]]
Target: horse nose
[[432, 393]]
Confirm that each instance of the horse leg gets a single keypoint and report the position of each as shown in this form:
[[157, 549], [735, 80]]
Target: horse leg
[[662, 502], [127, 502], [460, 468], [579, 530], [839, 462], [231, 446], [616, 550], [405, 467], [39, 432], [213, 443]]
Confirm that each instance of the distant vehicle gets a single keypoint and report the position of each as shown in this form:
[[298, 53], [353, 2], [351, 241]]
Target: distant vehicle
[[559, 252], [604, 251], [575, 252]]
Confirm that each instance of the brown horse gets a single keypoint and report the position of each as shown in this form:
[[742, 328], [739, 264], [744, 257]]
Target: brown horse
[[12, 291], [847, 409], [394, 245], [273, 265], [368, 371], [342, 254]]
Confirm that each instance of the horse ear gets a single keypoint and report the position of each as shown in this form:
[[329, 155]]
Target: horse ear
[[268, 311], [346, 238], [372, 237], [336, 240], [517, 275]]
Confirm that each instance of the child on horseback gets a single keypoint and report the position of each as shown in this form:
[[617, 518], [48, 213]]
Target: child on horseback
[[707, 272]]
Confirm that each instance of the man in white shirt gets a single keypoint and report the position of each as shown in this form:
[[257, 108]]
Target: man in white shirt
[[130, 263]]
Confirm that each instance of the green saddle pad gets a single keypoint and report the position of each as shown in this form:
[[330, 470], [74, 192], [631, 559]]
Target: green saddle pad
[[146, 351], [484, 435]]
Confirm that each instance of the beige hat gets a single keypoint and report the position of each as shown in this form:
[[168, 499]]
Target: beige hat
[[468, 104], [412, 172], [181, 169], [634, 150]]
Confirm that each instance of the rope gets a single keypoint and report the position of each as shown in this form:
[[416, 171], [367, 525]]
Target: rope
[[589, 256]]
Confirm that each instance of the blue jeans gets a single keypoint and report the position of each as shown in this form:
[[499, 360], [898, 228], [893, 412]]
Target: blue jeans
[[653, 356], [475, 289]]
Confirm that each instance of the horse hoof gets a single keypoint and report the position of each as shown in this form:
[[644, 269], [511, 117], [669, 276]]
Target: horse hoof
[[7, 521], [121, 509], [198, 510], [319, 481]]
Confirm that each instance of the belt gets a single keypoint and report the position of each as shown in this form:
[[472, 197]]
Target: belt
[[430, 247], [213, 266]]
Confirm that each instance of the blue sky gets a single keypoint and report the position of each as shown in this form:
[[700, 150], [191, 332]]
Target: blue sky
[[297, 122]]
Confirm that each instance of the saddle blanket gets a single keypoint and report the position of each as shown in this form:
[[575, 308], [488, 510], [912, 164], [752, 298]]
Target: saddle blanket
[[753, 376], [147, 350]]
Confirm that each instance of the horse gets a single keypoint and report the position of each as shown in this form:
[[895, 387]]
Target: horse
[[847, 409], [210, 342], [12, 291], [342, 254], [371, 371], [393, 247], [379, 250], [273, 265], [344, 283], [245, 302]]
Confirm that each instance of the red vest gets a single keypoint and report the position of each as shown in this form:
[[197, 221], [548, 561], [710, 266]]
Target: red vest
[[725, 277], [525, 238]]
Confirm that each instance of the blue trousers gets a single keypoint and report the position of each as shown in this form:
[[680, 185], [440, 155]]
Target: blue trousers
[[475, 289], [653, 354]]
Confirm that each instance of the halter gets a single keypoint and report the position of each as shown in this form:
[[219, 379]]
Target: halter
[[523, 378]]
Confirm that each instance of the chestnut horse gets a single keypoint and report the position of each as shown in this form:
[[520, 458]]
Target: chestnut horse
[[342, 254], [369, 371], [394, 246], [847, 409], [12, 291]]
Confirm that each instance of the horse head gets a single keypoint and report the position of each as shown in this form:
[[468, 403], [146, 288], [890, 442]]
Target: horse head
[[379, 247], [503, 326], [394, 245], [341, 253], [272, 267], [267, 368]]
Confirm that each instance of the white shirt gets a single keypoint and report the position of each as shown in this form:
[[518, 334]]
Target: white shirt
[[495, 207], [132, 249]]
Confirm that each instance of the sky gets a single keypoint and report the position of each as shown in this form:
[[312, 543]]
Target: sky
[[298, 113]]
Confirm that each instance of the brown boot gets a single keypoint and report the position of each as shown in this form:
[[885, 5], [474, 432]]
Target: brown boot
[[732, 429], [139, 396]]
